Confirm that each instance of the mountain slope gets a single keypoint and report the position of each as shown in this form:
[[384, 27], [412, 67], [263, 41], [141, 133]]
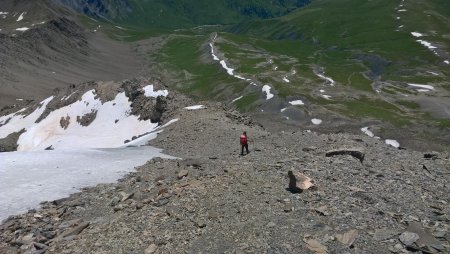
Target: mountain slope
[[44, 46], [183, 13]]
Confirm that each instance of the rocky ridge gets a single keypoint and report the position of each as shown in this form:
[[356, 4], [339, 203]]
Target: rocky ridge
[[366, 197]]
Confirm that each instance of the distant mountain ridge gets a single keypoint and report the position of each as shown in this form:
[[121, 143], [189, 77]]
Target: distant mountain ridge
[[182, 13]]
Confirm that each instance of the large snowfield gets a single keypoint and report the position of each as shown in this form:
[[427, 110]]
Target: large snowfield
[[29, 178], [100, 151]]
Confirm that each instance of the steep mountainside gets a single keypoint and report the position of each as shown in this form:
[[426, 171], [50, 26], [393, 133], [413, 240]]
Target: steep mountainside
[[44, 46], [184, 13]]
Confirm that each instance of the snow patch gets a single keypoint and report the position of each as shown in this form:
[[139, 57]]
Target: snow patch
[[423, 87], [367, 132], [447, 61], [212, 52], [285, 79], [266, 90], [392, 142], [416, 34], [150, 92], [316, 121], [238, 98], [433, 73], [229, 70], [283, 109], [297, 102], [328, 79], [195, 107], [98, 27], [21, 16], [170, 122], [22, 29], [427, 44], [326, 96]]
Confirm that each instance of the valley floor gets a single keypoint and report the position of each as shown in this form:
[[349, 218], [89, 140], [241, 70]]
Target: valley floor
[[215, 201]]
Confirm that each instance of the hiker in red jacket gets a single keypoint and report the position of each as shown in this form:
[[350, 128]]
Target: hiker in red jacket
[[244, 143]]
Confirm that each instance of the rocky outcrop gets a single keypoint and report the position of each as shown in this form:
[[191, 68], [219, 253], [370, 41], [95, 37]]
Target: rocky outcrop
[[9, 143]]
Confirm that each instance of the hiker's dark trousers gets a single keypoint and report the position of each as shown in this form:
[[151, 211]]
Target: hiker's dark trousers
[[242, 148]]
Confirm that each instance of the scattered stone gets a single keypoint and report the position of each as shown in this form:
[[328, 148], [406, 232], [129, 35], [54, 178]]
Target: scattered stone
[[40, 246], [315, 246], [191, 162], [182, 174], [114, 201], [74, 231], [125, 196], [309, 149], [322, 210], [9, 250], [408, 238], [288, 208], [424, 239], [431, 155], [299, 182], [347, 238], [162, 202], [151, 249], [357, 153], [271, 225], [200, 224], [384, 234]]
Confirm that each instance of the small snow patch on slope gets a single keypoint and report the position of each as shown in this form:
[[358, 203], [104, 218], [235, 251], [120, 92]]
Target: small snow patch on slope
[[416, 34], [367, 132], [195, 107], [21, 16], [427, 44], [297, 102], [238, 98], [229, 70], [424, 88], [22, 29], [316, 121], [212, 52], [328, 79], [392, 142], [266, 90], [150, 92]]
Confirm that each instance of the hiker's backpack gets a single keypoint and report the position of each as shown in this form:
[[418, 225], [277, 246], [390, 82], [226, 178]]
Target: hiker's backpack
[[243, 140]]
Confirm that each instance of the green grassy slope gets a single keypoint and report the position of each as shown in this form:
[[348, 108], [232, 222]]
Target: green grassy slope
[[365, 46]]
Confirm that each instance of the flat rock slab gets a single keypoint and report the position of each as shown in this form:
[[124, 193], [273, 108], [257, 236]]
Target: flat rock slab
[[355, 152], [426, 239]]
